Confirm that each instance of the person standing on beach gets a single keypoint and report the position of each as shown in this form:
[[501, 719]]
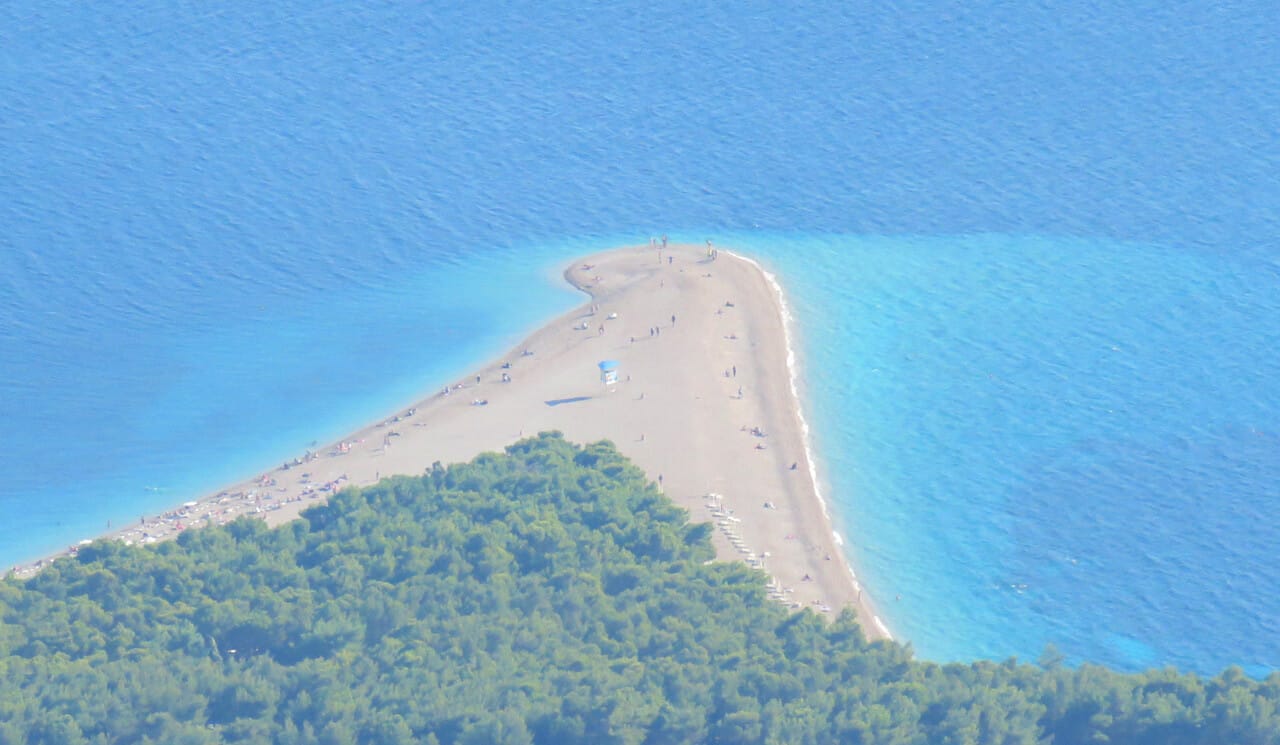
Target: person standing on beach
[[673, 319]]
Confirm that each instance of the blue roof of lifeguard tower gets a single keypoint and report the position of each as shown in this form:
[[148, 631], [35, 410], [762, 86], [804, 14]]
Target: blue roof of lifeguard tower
[[608, 365]]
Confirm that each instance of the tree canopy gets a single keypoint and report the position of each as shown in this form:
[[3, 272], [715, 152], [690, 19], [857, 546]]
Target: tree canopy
[[546, 595]]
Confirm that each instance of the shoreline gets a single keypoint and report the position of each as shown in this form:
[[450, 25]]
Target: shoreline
[[549, 273], [691, 415], [793, 369]]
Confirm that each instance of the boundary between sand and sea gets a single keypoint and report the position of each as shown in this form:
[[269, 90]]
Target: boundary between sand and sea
[[264, 499], [793, 373]]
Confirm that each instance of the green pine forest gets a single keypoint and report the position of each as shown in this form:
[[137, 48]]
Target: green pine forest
[[546, 595]]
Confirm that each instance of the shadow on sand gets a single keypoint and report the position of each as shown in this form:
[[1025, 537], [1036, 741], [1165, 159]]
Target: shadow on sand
[[574, 400]]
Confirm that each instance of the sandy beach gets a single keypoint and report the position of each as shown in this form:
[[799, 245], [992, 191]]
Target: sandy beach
[[704, 403]]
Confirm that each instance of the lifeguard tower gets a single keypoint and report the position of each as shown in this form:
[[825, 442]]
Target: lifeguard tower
[[609, 372]]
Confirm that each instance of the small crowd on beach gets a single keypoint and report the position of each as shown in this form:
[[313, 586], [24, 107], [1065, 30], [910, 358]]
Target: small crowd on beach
[[217, 510]]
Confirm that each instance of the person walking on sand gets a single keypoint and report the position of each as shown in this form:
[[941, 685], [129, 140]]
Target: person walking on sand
[[673, 319]]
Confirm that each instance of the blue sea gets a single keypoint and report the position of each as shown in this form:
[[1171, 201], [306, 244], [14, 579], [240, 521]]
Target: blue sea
[[1032, 253]]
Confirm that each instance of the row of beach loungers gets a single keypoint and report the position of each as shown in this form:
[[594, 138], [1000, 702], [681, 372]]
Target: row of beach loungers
[[727, 523]]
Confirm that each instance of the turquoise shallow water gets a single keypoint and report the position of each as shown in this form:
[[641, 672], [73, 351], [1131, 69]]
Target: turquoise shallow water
[[1037, 441], [225, 233]]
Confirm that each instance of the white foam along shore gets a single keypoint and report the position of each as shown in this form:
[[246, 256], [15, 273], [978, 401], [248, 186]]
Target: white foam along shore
[[675, 411], [793, 370]]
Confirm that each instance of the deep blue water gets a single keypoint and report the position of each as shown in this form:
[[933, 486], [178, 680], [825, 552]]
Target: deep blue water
[[1032, 252]]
